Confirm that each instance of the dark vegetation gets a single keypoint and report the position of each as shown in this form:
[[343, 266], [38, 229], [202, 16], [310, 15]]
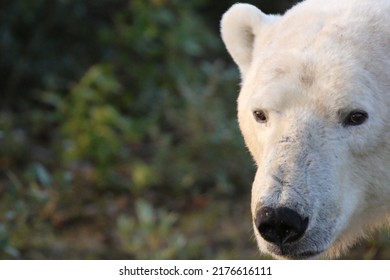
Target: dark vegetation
[[118, 133]]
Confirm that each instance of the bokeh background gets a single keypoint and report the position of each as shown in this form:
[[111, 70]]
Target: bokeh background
[[118, 133]]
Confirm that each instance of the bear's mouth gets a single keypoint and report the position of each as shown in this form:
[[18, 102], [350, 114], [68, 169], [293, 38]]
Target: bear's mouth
[[303, 255], [280, 252]]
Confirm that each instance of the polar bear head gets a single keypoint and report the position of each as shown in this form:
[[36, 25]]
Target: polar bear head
[[314, 110]]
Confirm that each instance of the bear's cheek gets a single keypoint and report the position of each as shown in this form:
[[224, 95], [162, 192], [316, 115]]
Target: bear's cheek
[[253, 135]]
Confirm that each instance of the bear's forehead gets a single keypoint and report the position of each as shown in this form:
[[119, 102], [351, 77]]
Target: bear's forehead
[[316, 67], [291, 78], [303, 71]]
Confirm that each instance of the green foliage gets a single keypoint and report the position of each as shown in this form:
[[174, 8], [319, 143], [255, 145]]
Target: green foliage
[[93, 129], [22, 211], [160, 112], [151, 234], [135, 105]]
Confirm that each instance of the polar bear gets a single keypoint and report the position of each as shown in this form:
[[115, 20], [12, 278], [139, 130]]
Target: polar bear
[[314, 111]]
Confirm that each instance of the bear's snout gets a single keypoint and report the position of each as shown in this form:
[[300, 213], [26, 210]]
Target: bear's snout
[[280, 226]]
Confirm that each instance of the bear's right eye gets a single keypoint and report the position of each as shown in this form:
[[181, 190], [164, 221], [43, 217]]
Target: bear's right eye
[[355, 118], [260, 116]]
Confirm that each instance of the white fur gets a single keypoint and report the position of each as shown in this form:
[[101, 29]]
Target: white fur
[[307, 69]]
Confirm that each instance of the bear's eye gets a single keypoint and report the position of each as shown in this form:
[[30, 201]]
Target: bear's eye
[[260, 116], [355, 118]]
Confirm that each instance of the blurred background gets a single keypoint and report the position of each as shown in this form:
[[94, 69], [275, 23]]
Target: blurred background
[[118, 133]]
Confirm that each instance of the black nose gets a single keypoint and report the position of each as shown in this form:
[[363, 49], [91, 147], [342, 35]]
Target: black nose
[[280, 225]]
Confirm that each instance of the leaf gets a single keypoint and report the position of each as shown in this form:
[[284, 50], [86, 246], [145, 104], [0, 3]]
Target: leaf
[[145, 213], [43, 175]]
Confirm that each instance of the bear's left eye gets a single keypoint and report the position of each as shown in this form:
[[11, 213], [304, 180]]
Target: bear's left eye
[[355, 118], [260, 116]]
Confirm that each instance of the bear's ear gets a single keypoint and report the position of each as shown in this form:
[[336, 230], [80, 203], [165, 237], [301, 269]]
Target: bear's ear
[[239, 27]]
